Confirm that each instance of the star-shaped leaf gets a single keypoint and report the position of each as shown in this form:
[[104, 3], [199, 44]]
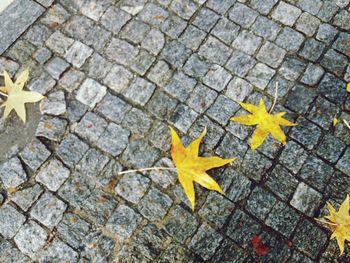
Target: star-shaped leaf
[[266, 123], [340, 223], [16, 96], [192, 168]]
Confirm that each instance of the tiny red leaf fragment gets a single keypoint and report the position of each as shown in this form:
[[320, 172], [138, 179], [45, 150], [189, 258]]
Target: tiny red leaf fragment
[[259, 248]]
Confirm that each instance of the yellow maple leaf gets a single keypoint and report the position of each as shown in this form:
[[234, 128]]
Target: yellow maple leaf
[[340, 223], [192, 168], [348, 87], [335, 122], [16, 96], [266, 123]]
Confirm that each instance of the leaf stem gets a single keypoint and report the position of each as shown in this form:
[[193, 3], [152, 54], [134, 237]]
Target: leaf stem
[[325, 222], [147, 169], [275, 99], [3, 94], [347, 124]]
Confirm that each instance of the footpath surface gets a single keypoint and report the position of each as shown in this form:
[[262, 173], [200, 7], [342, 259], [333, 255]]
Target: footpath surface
[[117, 73]]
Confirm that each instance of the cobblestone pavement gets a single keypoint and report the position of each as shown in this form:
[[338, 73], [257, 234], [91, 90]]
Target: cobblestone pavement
[[117, 73]]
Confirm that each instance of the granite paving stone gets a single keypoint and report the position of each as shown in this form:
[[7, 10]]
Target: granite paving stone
[[123, 222], [242, 228], [26, 197], [25, 13], [303, 236], [312, 49], [312, 74], [12, 173], [335, 62], [306, 199], [323, 113], [247, 42], [292, 68], [116, 75], [97, 246], [225, 30], [307, 24], [281, 182], [289, 39], [260, 75], [215, 51], [116, 113], [306, 133], [31, 238], [51, 128], [201, 240], [283, 219], [300, 98], [332, 88], [113, 140], [91, 127], [243, 15], [132, 187], [217, 78], [222, 109], [326, 33], [196, 66], [265, 200], [71, 79], [11, 221], [286, 14], [76, 189], [192, 37], [71, 150], [58, 251], [48, 210], [237, 186], [316, 172], [54, 104], [341, 165], [155, 204], [53, 175], [180, 224], [72, 229], [99, 206], [206, 19], [91, 92], [150, 241]]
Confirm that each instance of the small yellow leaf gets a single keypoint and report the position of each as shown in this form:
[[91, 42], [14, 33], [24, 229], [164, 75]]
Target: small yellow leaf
[[17, 97], [348, 87], [192, 168], [335, 122], [339, 222], [266, 123], [12, 190]]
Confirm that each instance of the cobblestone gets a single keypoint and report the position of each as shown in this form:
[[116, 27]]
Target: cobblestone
[[11, 221], [53, 175], [31, 238], [12, 173], [48, 210], [202, 238], [26, 197], [123, 222], [179, 217], [116, 74]]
